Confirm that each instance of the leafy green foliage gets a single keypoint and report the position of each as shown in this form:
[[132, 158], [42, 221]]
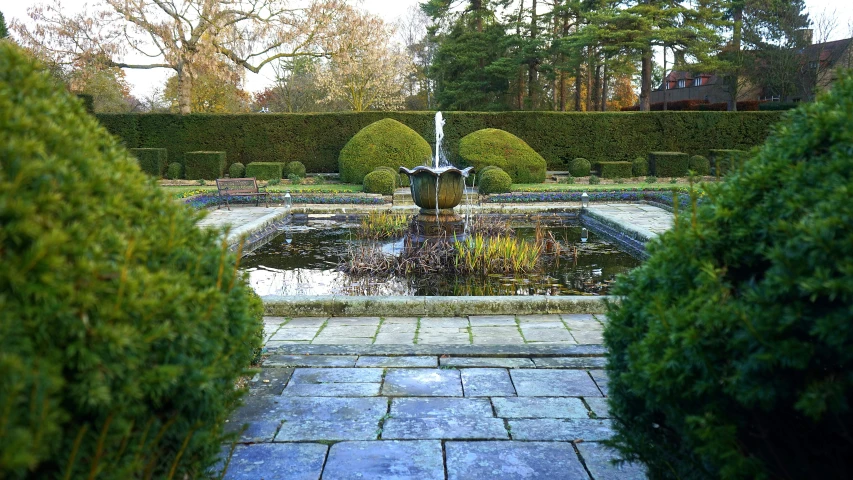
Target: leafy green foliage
[[640, 167], [152, 161], [494, 180], [236, 170], [398, 177], [295, 168], [699, 165], [724, 160], [175, 171], [386, 143], [731, 349], [4, 32], [594, 180], [294, 179], [668, 164], [579, 167], [88, 102], [380, 181], [316, 140], [264, 170], [204, 165], [124, 326], [615, 169], [502, 149]]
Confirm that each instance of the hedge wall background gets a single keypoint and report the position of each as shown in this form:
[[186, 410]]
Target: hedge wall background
[[316, 139]]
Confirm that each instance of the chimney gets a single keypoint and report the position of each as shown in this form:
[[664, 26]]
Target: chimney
[[805, 36]]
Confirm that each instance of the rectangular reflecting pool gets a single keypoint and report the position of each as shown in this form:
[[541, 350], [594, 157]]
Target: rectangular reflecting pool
[[304, 259]]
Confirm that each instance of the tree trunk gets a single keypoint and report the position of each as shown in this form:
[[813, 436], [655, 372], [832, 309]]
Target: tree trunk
[[645, 79], [596, 88], [533, 63], [578, 87], [184, 92], [665, 82], [604, 86]]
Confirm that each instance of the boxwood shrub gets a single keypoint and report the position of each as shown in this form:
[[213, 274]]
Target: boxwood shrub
[[495, 181], [264, 170], [380, 181], [124, 327], [386, 143], [152, 161], [615, 169], [236, 170], [668, 164], [731, 348], [513, 155], [579, 167], [204, 165], [699, 165], [175, 171], [640, 167], [294, 168]]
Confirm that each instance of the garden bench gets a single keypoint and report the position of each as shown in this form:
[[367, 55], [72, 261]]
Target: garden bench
[[243, 187]]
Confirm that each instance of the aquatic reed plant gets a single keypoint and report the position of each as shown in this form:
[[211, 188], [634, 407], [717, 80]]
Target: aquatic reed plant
[[376, 225]]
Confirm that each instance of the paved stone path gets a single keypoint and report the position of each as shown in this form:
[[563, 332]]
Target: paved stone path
[[646, 220], [471, 330]]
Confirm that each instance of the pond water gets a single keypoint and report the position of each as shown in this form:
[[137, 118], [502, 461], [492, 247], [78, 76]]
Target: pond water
[[303, 260]]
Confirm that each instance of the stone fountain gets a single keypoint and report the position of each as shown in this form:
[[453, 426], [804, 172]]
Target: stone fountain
[[437, 190]]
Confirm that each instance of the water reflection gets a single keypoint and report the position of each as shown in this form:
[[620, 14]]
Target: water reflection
[[303, 261]]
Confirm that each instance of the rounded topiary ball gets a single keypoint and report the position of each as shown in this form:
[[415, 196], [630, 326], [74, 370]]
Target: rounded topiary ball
[[384, 143], [124, 326], [395, 173], [379, 181], [640, 167], [579, 167], [699, 165], [494, 180], [174, 171], [731, 348], [236, 170], [502, 149], [294, 168]]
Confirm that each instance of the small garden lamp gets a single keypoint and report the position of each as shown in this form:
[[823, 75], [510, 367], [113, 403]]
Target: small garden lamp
[[288, 200], [584, 235], [584, 200]]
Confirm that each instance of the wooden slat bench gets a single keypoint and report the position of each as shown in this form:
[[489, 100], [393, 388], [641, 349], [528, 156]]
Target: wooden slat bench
[[240, 187]]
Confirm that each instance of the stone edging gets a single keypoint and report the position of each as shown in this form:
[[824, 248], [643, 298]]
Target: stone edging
[[255, 234], [526, 350], [402, 306], [631, 240]]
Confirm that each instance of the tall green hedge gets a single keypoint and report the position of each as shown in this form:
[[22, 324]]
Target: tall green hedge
[[668, 164], [615, 169], [317, 139], [264, 170], [152, 161], [204, 165]]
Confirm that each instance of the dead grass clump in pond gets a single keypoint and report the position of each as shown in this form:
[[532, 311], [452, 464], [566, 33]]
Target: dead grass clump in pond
[[490, 226]]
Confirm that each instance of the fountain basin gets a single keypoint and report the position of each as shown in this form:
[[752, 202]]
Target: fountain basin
[[448, 181]]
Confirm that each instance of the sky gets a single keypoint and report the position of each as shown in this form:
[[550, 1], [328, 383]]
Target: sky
[[143, 81]]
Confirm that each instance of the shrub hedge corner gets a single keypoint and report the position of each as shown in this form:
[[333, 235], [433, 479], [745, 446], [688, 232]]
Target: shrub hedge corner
[[204, 165], [615, 169], [668, 164], [264, 170]]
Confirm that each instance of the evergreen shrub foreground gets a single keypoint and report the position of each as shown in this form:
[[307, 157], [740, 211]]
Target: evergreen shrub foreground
[[731, 350], [124, 327]]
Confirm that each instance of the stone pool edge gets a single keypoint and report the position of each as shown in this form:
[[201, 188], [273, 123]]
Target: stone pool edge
[[417, 306]]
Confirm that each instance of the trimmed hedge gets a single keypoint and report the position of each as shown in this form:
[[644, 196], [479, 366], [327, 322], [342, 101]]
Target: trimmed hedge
[[237, 170], [124, 326], [386, 143], [380, 181], [316, 140], [294, 168], [513, 155], [204, 165], [580, 167], [640, 167], [152, 161], [264, 170], [616, 169], [88, 102], [495, 181], [668, 164], [730, 350], [724, 160], [174, 171], [699, 165]]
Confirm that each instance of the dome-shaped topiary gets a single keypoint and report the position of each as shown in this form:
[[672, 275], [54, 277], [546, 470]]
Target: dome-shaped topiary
[[731, 349], [579, 167], [124, 327], [384, 143], [236, 170], [380, 181], [174, 171], [640, 167], [502, 149], [699, 165], [294, 168], [494, 180]]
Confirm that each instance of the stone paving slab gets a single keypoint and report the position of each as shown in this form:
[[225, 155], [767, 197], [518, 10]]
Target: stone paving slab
[[258, 419], [270, 381], [599, 406], [570, 362], [440, 407], [310, 361], [553, 383], [332, 390], [395, 338], [388, 460], [571, 429], [535, 407], [487, 362], [335, 375], [486, 382], [526, 350], [276, 461], [601, 380], [405, 382], [492, 320], [427, 428], [422, 361], [598, 459], [329, 418], [513, 461]]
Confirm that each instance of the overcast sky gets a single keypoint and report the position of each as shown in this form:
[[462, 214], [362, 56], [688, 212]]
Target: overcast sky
[[142, 81]]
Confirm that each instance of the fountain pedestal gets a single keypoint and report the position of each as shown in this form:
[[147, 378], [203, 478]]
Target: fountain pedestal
[[436, 191], [428, 225]]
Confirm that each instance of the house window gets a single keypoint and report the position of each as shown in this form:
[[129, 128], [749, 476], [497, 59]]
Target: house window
[[697, 82], [682, 83]]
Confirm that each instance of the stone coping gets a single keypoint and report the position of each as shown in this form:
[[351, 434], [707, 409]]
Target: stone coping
[[257, 230], [503, 351], [340, 305]]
